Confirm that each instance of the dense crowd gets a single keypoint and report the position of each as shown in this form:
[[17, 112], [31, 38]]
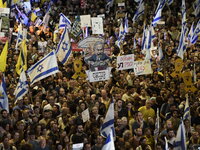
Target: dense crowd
[[49, 116]]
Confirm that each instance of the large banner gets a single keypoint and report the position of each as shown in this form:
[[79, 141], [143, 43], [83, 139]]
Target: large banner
[[125, 62], [142, 67]]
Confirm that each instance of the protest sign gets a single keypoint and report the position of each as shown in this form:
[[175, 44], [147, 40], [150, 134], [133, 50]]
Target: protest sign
[[75, 47], [102, 75], [85, 21], [178, 68], [85, 115], [125, 62], [89, 42], [76, 28], [97, 25], [142, 67]]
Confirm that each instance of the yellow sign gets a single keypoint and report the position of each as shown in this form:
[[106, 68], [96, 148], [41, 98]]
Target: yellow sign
[[178, 67], [187, 79], [78, 69]]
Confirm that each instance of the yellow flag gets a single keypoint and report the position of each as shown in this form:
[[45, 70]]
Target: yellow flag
[[3, 5], [3, 58], [22, 59], [33, 17]]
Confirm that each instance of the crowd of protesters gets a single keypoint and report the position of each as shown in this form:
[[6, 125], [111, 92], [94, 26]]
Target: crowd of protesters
[[49, 116]]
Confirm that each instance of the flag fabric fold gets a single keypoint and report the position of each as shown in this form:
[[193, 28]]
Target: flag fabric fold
[[139, 11], [43, 68], [158, 13], [108, 124], [3, 95], [64, 21], [22, 86], [3, 57], [64, 50], [109, 143], [22, 59]]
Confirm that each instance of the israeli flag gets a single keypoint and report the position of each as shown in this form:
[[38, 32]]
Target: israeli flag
[[139, 11], [108, 124], [109, 143], [186, 114], [22, 86], [3, 95], [158, 13], [109, 5], [160, 52], [196, 33], [64, 21], [121, 36], [157, 126], [43, 68], [126, 24], [183, 12], [191, 32], [19, 36], [182, 42], [196, 6], [180, 141], [144, 38], [64, 50], [148, 44], [169, 2]]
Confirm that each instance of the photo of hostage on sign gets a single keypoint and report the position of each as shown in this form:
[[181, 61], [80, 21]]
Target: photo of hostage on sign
[[99, 60]]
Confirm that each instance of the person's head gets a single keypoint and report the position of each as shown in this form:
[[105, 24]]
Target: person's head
[[99, 139], [99, 47], [103, 93], [62, 91], [168, 124], [87, 146], [120, 103], [51, 100], [170, 133], [4, 113], [42, 142], [148, 104], [95, 110], [143, 141], [195, 135], [139, 116], [80, 128], [139, 132]]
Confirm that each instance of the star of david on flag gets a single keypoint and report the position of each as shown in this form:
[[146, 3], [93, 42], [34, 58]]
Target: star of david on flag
[[22, 86], [63, 50], [43, 68]]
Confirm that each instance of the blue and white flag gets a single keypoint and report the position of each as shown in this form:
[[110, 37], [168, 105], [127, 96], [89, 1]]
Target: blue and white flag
[[64, 50], [3, 95], [108, 124], [182, 42], [196, 6], [109, 5], [64, 21], [126, 24], [158, 13], [139, 11], [183, 12], [180, 141], [22, 86], [46, 19], [148, 44], [191, 32], [38, 22], [169, 2], [22, 17], [109, 143], [157, 126], [43, 68], [196, 33], [19, 36], [144, 38], [121, 35], [166, 144], [186, 114], [160, 52]]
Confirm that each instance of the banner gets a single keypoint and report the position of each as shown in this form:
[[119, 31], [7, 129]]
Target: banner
[[76, 28], [89, 42], [102, 75], [142, 67], [125, 62], [97, 25]]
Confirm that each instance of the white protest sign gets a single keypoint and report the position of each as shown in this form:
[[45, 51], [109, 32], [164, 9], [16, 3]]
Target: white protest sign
[[85, 21], [142, 67], [4, 10], [125, 62], [85, 115], [101, 16], [89, 42], [77, 146], [101, 75], [97, 25], [121, 4]]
